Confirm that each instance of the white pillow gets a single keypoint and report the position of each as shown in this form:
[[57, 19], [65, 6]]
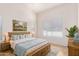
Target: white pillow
[[22, 40], [29, 36], [14, 37]]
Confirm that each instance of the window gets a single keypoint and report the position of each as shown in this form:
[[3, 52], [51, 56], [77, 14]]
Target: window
[[53, 28], [53, 33]]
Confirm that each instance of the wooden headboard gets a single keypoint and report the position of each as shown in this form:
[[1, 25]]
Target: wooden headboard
[[17, 33]]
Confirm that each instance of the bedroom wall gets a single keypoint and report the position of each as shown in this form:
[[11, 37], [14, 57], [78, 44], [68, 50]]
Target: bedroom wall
[[8, 12], [78, 15], [67, 12]]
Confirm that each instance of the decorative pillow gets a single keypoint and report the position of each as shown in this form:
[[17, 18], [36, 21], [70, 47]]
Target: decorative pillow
[[29, 36], [22, 36], [25, 35], [14, 37], [19, 37]]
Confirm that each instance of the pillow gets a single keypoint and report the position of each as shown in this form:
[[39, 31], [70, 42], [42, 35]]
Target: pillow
[[19, 37], [29, 36], [14, 37], [25, 35], [22, 40]]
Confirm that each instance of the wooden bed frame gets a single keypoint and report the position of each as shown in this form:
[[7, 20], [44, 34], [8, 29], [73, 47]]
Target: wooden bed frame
[[41, 51]]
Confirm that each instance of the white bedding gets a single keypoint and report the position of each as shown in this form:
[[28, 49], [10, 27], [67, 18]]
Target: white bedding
[[14, 42]]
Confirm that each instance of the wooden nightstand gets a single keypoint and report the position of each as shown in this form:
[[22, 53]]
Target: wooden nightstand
[[73, 49], [4, 46]]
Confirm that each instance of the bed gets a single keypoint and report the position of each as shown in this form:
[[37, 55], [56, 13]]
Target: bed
[[24, 44]]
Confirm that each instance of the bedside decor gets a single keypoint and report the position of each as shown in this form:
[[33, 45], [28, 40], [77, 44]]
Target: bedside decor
[[73, 34], [73, 49], [72, 31], [76, 38], [4, 46]]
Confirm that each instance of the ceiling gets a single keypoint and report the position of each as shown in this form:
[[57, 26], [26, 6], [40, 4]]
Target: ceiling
[[38, 7]]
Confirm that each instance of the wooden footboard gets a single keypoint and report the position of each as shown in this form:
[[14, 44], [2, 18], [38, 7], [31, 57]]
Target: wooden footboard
[[42, 51]]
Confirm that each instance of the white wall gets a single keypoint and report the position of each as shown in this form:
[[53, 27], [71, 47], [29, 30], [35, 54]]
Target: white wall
[[8, 12], [66, 12], [0, 29], [78, 15]]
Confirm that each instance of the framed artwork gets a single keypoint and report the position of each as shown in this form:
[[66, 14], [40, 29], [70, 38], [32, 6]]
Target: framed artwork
[[19, 25]]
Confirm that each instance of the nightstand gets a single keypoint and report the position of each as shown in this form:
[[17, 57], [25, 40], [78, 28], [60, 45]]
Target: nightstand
[[73, 49], [4, 46]]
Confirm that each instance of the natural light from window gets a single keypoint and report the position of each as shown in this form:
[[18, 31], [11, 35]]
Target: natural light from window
[[53, 33]]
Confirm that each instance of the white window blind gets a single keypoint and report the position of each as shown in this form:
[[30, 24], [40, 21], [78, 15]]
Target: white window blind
[[53, 27]]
